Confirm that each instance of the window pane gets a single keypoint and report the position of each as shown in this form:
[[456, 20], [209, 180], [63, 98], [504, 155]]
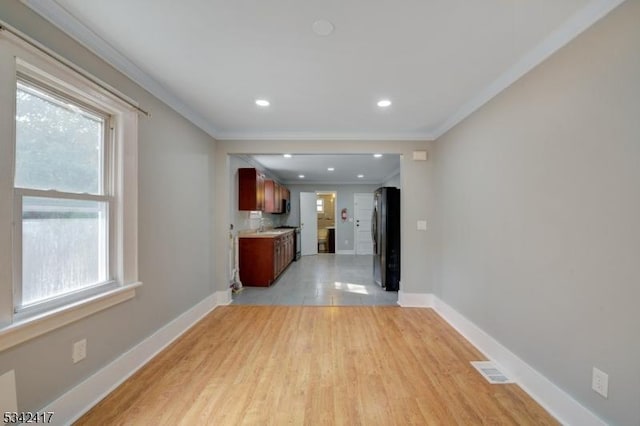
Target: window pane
[[64, 246], [58, 145]]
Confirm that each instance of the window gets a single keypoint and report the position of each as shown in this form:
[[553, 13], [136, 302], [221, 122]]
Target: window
[[68, 162], [320, 205], [62, 195]]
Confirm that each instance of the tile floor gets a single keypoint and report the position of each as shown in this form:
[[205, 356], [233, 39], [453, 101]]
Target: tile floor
[[323, 279]]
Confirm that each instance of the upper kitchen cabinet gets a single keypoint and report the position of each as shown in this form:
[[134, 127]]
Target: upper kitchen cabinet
[[285, 194], [251, 187], [271, 196], [276, 197]]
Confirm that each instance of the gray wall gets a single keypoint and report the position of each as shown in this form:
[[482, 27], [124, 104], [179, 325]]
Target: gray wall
[[539, 195], [174, 209], [344, 199]]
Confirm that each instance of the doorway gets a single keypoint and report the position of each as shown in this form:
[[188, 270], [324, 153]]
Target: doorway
[[326, 211]]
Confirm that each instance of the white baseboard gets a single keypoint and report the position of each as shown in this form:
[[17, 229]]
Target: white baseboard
[[70, 406], [556, 401], [223, 297], [414, 300], [77, 401], [345, 252]]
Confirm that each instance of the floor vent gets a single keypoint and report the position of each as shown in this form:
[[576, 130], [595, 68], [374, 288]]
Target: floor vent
[[491, 372]]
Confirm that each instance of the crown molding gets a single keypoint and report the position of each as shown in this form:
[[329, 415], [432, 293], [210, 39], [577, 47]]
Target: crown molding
[[320, 136], [574, 26], [69, 24]]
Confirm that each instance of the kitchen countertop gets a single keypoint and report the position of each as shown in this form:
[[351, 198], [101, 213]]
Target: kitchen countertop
[[271, 233]]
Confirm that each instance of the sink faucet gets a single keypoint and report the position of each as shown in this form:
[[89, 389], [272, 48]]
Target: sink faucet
[[261, 228]]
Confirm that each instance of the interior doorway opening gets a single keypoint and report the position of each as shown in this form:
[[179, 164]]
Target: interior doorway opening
[[327, 273], [326, 210]]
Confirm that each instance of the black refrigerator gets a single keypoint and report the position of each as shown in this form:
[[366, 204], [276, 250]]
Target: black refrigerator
[[385, 231]]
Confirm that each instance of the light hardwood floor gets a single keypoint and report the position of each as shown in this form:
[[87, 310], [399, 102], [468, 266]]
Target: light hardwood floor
[[290, 365]]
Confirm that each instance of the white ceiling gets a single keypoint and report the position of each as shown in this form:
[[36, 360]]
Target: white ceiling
[[436, 60], [314, 168]]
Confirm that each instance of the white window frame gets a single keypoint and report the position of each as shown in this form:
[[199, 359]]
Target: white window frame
[[19, 60], [106, 196]]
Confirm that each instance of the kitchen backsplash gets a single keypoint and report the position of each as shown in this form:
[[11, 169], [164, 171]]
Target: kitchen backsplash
[[246, 220]]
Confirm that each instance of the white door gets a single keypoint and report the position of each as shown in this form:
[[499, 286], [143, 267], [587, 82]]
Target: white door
[[363, 209], [308, 223]]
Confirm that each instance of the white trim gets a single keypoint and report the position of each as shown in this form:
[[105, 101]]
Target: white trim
[[21, 331], [70, 406], [223, 297], [77, 401], [556, 401], [30, 61], [33, 45], [573, 27], [324, 136], [414, 300], [346, 252], [58, 16]]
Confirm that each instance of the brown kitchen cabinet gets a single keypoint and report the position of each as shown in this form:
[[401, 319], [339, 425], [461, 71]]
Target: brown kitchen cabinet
[[275, 196], [272, 194], [286, 196], [255, 192], [263, 257], [251, 184]]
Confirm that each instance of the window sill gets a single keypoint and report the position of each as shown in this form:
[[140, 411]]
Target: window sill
[[21, 331]]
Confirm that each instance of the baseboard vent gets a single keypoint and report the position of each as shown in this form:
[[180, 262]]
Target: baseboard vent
[[491, 372]]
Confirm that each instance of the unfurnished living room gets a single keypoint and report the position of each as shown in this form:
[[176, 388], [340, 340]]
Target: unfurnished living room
[[270, 212]]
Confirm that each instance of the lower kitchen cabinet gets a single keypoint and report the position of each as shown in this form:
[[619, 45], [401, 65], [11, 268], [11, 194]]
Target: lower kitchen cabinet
[[263, 258]]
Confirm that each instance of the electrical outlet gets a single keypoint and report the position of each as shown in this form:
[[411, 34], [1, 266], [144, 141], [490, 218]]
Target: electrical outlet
[[79, 350], [600, 382]]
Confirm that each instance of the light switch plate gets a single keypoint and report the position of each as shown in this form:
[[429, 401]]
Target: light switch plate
[[422, 225], [600, 382], [79, 351]]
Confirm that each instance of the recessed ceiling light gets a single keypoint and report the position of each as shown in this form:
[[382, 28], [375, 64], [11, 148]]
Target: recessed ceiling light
[[301, 176], [287, 155], [377, 155], [360, 176], [322, 27], [262, 102], [330, 169], [383, 103]]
